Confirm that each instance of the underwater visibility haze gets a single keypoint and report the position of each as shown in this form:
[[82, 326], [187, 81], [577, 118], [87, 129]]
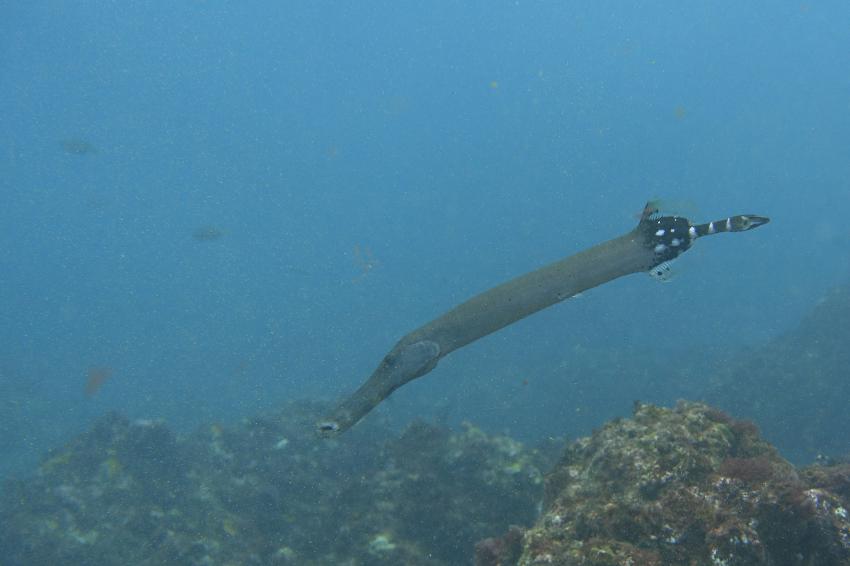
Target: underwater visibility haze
[[214, 211]]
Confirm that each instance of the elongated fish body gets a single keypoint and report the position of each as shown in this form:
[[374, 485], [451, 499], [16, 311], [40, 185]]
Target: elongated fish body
[[655, 241]]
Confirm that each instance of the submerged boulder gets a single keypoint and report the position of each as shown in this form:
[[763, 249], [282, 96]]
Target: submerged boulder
[[688, 485]]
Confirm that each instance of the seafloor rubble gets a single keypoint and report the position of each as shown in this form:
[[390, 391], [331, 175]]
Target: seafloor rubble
[[683, 486], [267, 492]]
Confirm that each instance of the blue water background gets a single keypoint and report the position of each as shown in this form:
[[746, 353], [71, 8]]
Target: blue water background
[[370, 165]]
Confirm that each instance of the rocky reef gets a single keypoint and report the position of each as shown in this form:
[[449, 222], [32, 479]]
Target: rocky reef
[[687, 486], [682, 486], [266, 491]]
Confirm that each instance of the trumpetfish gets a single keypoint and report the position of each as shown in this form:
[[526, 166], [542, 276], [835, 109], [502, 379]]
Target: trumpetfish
[[649, 247]]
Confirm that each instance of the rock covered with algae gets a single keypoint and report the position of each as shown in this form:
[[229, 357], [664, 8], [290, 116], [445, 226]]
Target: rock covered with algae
[[686, 486], [267, 491]]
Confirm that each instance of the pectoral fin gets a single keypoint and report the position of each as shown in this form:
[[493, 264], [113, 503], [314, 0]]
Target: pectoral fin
[[409, 362]]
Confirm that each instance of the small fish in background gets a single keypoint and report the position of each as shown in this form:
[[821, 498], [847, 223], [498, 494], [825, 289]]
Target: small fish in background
[[207, 233], [97, 377], [78, 147], [364, 259]]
